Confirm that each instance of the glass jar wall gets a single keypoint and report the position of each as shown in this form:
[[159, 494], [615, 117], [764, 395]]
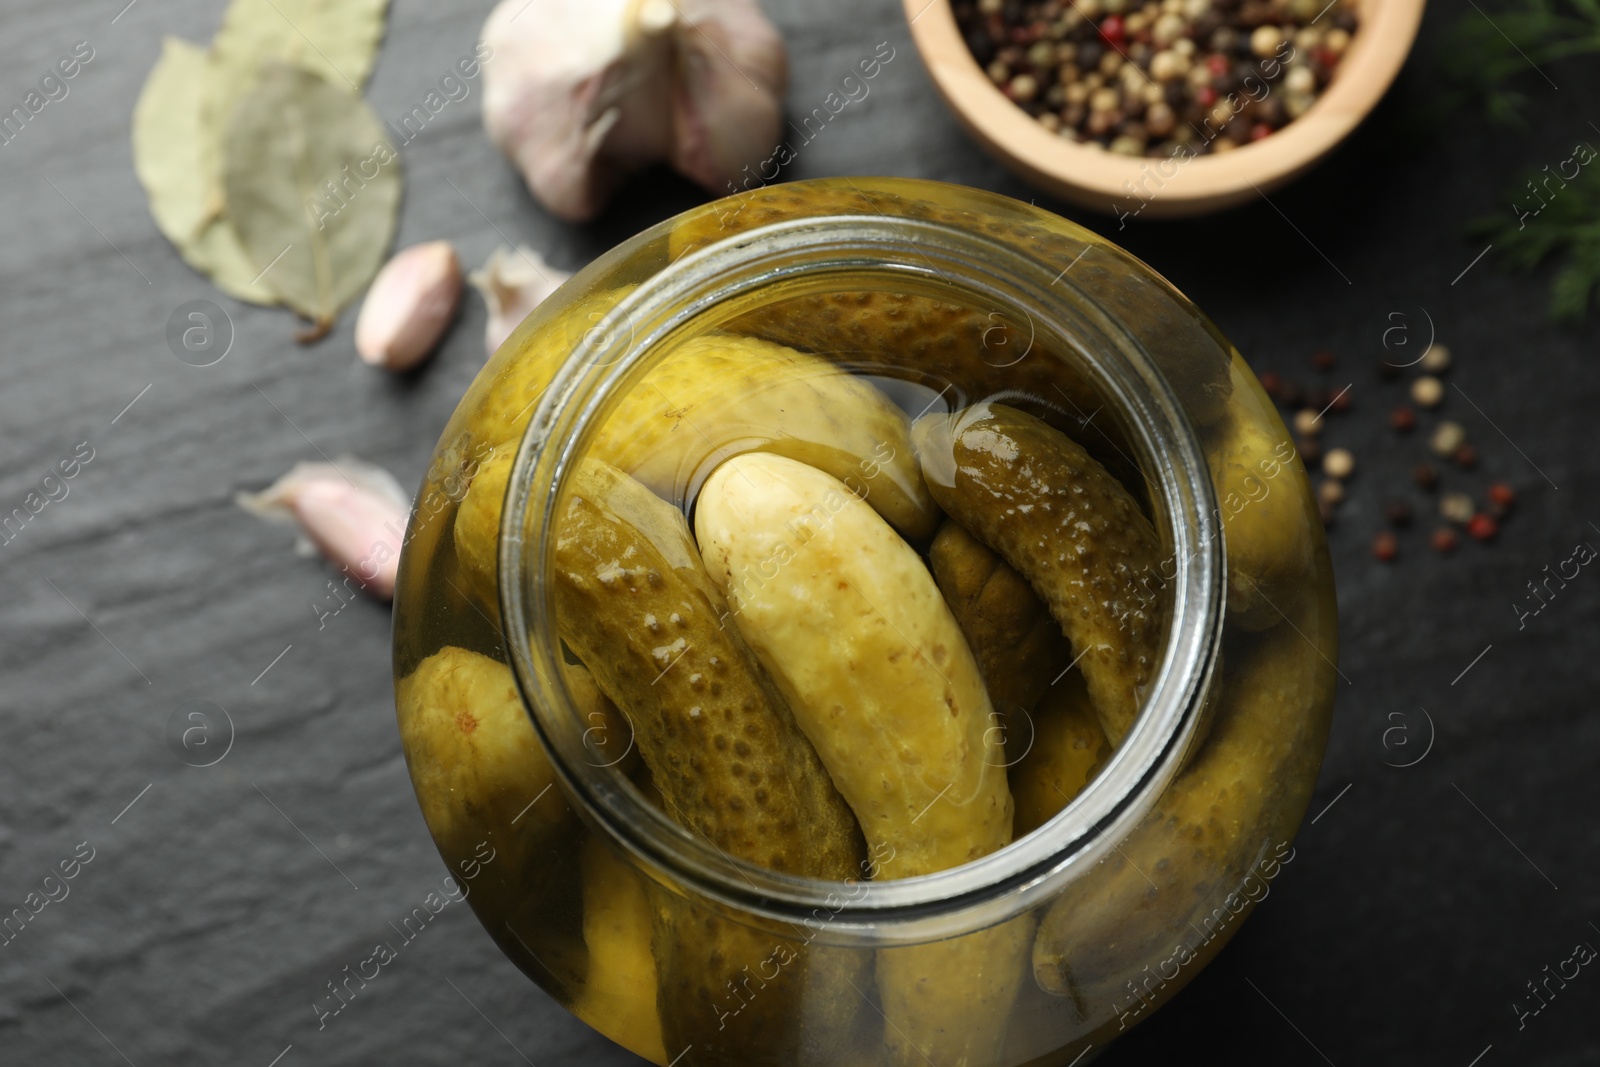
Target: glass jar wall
[[864, 621]]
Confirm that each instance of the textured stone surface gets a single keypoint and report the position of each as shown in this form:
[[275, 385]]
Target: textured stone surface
[[207, 923]]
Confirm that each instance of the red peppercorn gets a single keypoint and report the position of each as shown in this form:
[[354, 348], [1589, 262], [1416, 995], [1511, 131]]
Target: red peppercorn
[[1113, 31], [1325, 57], [1425, 475], [1260, 131], [1386, 547], [1205, 96], [1482, 527], [1444, 540], [1324, 360], [1502, 494], [1217, 64], [1403, 419], [1341, 402], [1272, 384], [1465, 456]]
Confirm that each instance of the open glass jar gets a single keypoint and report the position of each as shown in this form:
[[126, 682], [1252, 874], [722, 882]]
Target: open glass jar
[[657, 814]]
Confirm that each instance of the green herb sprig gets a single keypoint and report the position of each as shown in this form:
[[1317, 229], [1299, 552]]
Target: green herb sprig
[[1489, 50]]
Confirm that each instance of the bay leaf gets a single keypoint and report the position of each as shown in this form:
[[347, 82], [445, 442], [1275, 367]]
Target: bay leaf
[[337, 39], [313, 187], [166, 139], [217, 252], [169, 137]]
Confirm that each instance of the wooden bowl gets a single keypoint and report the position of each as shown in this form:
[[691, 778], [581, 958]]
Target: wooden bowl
[[1164, 188]]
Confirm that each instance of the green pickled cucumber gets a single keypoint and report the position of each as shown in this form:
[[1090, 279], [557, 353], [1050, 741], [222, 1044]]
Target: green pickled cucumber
[[1072, 530], [1067, 747], [1178, 886], [1018, 645], [634, 603], [1269, 524]]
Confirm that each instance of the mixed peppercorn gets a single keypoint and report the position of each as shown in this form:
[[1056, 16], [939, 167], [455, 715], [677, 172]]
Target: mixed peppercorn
[[1308, 409], [1164, 77]]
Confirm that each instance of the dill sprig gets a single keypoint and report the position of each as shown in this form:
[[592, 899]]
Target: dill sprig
[[1488, 52], [1555, 213]]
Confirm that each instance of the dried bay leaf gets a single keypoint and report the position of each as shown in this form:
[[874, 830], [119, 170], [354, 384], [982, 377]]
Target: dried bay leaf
[[337, 39], [313, 186], [168, 141]]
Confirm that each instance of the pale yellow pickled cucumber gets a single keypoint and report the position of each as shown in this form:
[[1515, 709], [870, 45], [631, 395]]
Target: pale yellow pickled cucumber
[[719, 395], [1054, 514], [619, 995], [854, 631], [1068, 747], [481, 776], [634, 603], [715, 397], [1265, 511], [1176, 888]]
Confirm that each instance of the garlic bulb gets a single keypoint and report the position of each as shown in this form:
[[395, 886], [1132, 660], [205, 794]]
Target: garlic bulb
[[409, 306], [352, 511], [513, 283], [580, 92]]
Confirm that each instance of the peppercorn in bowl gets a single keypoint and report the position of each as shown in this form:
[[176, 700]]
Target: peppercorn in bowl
[[1163, 108]]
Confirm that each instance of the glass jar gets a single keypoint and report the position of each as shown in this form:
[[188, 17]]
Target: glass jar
[[939, 297]]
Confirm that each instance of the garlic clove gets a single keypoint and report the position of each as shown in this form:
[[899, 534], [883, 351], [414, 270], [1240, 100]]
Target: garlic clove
[[581, 92], [351, 511], [409, 305], [728, 103], [513, 283]]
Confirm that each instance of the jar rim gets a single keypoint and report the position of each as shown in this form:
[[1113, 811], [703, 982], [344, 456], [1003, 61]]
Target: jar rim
[[1029, 870]]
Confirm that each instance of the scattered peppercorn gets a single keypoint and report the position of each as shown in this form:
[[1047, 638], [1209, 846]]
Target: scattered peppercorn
[[1331, 492], [1444, 540], [1339, 463], [1341, 402], [1398, 512], [1425, 476], [1502, 494], [1386, 547], [1162, 79], [1446, 438], [1465, 456], [1307, 423], [1427, 391], [1482, 527], [1310, 452], [1457, 507], [1272, 384], [1403, 419], [1326, 511], [1324, 360], [1436, 360]]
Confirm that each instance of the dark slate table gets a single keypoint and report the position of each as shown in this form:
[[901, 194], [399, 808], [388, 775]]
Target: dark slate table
[[219, 900]]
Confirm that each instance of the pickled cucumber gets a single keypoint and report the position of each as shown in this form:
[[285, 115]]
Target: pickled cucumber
[[1068, 747], [1053, 513], [619, 997], [1018, 646], [975, 349], [1177, 886], [1268, 524], [719, 395], [484, 782], [634, 603], [855, 633]]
